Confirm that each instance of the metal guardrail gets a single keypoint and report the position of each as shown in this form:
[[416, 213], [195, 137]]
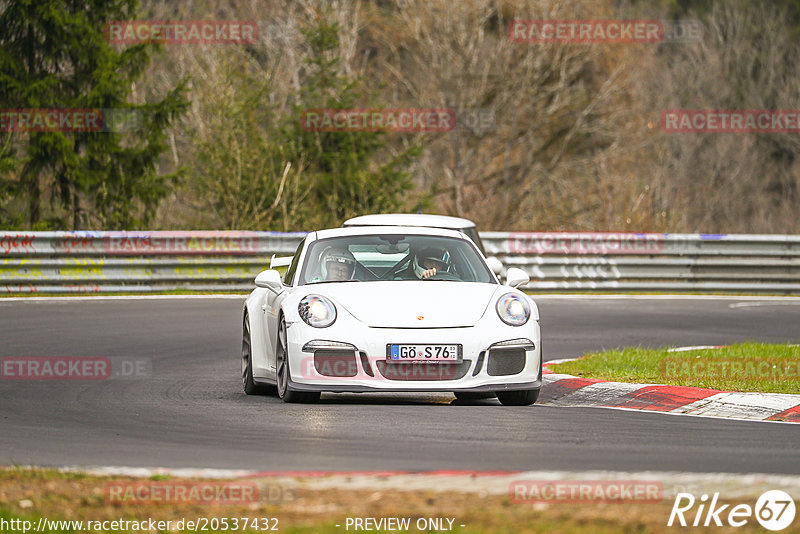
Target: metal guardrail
[[96, 262], [91, 262], [652, 262]]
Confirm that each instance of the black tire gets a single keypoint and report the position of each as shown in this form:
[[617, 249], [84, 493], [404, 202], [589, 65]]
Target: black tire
[[283, 375], [473, 395], [248, 384], [523, 397]]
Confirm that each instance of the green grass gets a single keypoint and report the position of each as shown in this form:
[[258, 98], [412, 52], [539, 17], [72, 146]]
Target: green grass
[[757, 367]]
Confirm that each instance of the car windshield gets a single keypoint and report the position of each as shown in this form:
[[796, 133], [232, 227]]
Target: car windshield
[[472, 233], [384, 257]]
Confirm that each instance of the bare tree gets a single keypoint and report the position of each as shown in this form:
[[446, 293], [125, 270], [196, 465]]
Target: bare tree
[[728, 182], [548, 136], [555, 109]]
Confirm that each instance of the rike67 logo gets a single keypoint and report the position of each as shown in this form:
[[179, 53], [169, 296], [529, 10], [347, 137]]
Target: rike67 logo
[[774, 510]]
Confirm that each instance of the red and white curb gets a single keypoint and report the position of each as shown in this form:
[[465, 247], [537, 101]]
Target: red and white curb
[[573, 391]]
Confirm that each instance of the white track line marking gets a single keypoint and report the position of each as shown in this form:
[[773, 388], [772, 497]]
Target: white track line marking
[[562, 360], [762, 304], [694, 347]]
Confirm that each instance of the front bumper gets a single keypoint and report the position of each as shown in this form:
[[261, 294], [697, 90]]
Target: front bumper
[[362, 366]]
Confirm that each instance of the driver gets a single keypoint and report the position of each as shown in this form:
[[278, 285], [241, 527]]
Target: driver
[[429, 261], [338, 264]]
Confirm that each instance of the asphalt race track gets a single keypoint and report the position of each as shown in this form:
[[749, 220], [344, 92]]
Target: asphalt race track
[[191, 411]]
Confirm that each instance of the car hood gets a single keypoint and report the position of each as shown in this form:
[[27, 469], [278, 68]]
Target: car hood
[[411, 304]]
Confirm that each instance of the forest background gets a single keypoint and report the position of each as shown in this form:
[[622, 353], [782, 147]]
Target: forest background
[[548, 136]]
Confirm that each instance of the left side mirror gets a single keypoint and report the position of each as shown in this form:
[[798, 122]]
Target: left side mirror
[[516, 277], [270, 279]]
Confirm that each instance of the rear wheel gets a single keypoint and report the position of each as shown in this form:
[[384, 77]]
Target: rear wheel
[[473, 395], [523, 397], [248, 384], [282, 371]]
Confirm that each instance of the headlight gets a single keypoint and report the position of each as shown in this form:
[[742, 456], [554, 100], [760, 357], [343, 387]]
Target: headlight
[[317, 311], [513, 309]]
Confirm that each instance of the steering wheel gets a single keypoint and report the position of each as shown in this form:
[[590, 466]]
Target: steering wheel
[[443, 275]]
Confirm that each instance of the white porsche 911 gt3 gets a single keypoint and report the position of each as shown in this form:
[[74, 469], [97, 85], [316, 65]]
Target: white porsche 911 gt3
[[371, 309]]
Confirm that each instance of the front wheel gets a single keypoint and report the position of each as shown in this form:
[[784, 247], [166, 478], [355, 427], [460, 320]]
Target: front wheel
[[248, 384], [523, 397], [282, 371]]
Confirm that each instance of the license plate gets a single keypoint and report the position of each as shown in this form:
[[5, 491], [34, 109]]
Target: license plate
[[424, 353]]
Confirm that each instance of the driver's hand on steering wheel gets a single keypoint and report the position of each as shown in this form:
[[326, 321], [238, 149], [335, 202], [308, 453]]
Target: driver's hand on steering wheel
[[427, 273]]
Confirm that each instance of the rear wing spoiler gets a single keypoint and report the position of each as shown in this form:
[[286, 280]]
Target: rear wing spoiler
[[280, 261]]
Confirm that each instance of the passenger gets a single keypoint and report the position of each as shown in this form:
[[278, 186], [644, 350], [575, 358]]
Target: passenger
[[338, 265]]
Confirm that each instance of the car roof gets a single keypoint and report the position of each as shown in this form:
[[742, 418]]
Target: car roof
[[382, 229], [410, 219]]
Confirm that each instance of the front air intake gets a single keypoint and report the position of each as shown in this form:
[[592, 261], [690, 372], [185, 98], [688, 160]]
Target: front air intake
[[336, 363], [503, 362], [423, 371]]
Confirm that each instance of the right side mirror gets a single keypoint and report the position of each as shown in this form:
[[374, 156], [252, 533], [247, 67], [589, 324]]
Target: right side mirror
[[270, 279], [516, 277], [495, 265]]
